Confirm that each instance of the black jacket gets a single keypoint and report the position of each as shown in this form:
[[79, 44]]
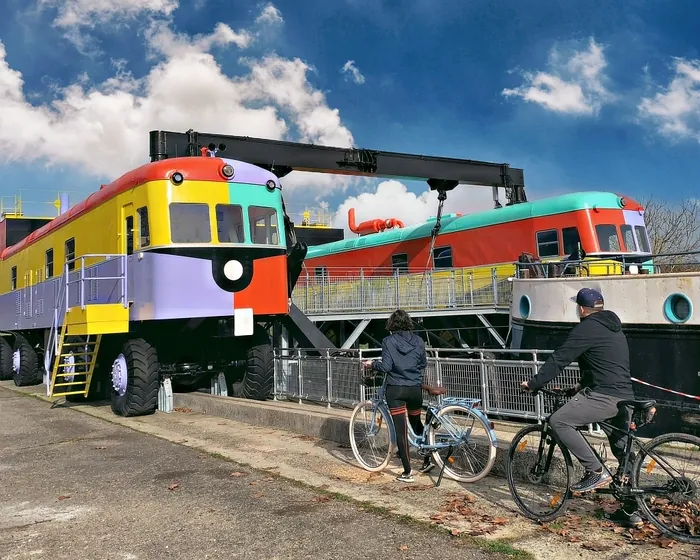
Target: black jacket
[[403, 359], [600, 347]]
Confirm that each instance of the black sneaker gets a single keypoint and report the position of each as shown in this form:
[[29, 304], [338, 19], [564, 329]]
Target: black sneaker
[[405, 478], [592, 480], [626, 519], [428, 465]]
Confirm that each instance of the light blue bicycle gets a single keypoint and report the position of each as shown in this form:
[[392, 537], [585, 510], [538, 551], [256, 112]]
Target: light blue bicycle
[[457, 433]]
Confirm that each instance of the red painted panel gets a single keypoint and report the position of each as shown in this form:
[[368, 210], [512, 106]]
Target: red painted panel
[[267, 292]]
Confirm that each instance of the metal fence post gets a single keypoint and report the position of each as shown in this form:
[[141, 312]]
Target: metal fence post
[[471, 288], [539, 402], [494, 284], [300, 376], [484, 383], [329, 382], [362, 289]]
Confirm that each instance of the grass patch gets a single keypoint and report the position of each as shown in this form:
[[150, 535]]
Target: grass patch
[[500, 547]]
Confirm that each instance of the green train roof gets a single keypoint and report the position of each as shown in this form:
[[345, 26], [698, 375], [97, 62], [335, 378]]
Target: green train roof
[[451, 223]]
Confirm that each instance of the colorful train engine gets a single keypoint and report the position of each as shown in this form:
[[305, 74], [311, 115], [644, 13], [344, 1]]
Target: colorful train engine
[[599, 226], [171, 270]]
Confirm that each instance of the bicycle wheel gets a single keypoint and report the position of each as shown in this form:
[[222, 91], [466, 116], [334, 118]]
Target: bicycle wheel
[[670, 477], [473, 453], [370, 436], [539, 472]]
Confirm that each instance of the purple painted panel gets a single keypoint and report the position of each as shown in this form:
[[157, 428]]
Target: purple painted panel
[[170, 286], [249, 173]]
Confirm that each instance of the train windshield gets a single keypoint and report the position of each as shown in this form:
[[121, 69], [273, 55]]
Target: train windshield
[[263, 225], [229, 223], [643, 239], [607, 238], [628, 238], [189, 222]]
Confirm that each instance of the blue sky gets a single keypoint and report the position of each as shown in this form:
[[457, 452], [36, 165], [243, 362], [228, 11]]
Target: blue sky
[[582, 95]]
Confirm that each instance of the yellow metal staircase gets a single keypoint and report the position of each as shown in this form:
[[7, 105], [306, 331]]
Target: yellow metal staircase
[[76, 332], [74, 364]]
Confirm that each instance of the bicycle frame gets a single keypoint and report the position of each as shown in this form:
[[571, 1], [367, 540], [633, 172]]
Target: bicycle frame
[[622, 487]]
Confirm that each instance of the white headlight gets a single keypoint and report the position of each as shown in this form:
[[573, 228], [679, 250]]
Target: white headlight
[[233, 270]]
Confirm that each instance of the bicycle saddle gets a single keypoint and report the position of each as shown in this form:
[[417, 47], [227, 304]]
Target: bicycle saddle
[[435, 391], [638, 405]]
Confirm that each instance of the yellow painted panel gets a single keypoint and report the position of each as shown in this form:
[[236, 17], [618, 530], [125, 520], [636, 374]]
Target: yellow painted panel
[[106, 318]]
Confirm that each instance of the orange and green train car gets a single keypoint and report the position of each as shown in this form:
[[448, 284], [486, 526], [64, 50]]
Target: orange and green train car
[[173, 268]]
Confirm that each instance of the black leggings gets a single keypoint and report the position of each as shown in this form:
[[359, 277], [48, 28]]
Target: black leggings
[[402, 400]]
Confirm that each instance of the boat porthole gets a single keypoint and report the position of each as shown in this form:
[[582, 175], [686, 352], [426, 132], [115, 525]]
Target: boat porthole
[[525, 306], [678, 308]]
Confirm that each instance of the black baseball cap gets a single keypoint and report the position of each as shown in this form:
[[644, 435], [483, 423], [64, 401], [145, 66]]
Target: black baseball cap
[[588, 297]]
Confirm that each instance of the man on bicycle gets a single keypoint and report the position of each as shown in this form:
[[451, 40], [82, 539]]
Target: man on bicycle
[[600, 347]]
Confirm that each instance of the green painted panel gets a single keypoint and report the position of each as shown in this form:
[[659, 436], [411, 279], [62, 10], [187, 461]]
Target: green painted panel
[[257, 195]]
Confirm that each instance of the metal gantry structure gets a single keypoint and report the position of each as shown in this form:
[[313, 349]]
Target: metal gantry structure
[[314, 326]]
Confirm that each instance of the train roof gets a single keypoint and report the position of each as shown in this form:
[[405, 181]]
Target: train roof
[[191, 168], [450, 224]]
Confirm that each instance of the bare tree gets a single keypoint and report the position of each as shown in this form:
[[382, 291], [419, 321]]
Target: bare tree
[[674, 233]]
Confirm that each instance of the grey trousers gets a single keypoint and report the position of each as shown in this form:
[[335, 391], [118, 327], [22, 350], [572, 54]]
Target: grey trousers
[[585, 408]]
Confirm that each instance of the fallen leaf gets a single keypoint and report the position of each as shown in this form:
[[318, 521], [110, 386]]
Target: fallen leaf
[[455, 532], [258, 495], [254, 483], [666, 543], [321, 499], [596, 547], [173, 486], [101, 447], [182, 409], [236, 474], [403, 547], [64, 497], [268, 479], [500, 520]]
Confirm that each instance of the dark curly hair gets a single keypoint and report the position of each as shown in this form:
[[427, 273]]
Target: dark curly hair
[[399, 321]]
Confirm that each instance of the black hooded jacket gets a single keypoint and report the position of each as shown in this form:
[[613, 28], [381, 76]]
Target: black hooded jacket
[[600, 347], [403, 359]]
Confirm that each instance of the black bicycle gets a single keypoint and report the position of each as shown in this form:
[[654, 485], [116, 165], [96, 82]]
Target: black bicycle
[[664, 478]]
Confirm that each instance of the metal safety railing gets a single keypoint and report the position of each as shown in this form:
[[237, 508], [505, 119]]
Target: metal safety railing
[[345, 290], [493, 376]]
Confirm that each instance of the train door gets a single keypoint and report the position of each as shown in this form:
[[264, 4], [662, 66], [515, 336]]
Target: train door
[[127, 229]]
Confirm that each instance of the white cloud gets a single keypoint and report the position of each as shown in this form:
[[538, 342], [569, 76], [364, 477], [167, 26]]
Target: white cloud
[[269, 15], [102, 129], [392, 199], [88, 13], [676, 109], [351, 71], [574, 86]]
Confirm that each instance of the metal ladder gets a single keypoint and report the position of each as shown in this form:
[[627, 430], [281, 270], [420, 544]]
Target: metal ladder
[[74, 366]]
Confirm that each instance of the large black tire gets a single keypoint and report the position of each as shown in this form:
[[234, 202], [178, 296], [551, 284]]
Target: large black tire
[[259, 379], [28, 372], [5, 359], [140, 396]]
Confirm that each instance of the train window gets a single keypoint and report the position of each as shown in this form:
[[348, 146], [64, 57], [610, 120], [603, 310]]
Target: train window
[[49, 263], [571, 240], [548, 243], [607, 237], [70, 253], [628, 238], [144, 228], [229, 223], [263, 225], [400, 262], [13, 278], [644, 245], [442, 257], [129, 235], [189, 222]]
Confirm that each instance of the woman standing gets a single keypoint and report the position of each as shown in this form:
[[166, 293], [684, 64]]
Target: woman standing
[[403, 361]]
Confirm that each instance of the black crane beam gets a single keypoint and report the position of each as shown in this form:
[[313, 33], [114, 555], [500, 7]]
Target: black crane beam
[[281, 157]]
